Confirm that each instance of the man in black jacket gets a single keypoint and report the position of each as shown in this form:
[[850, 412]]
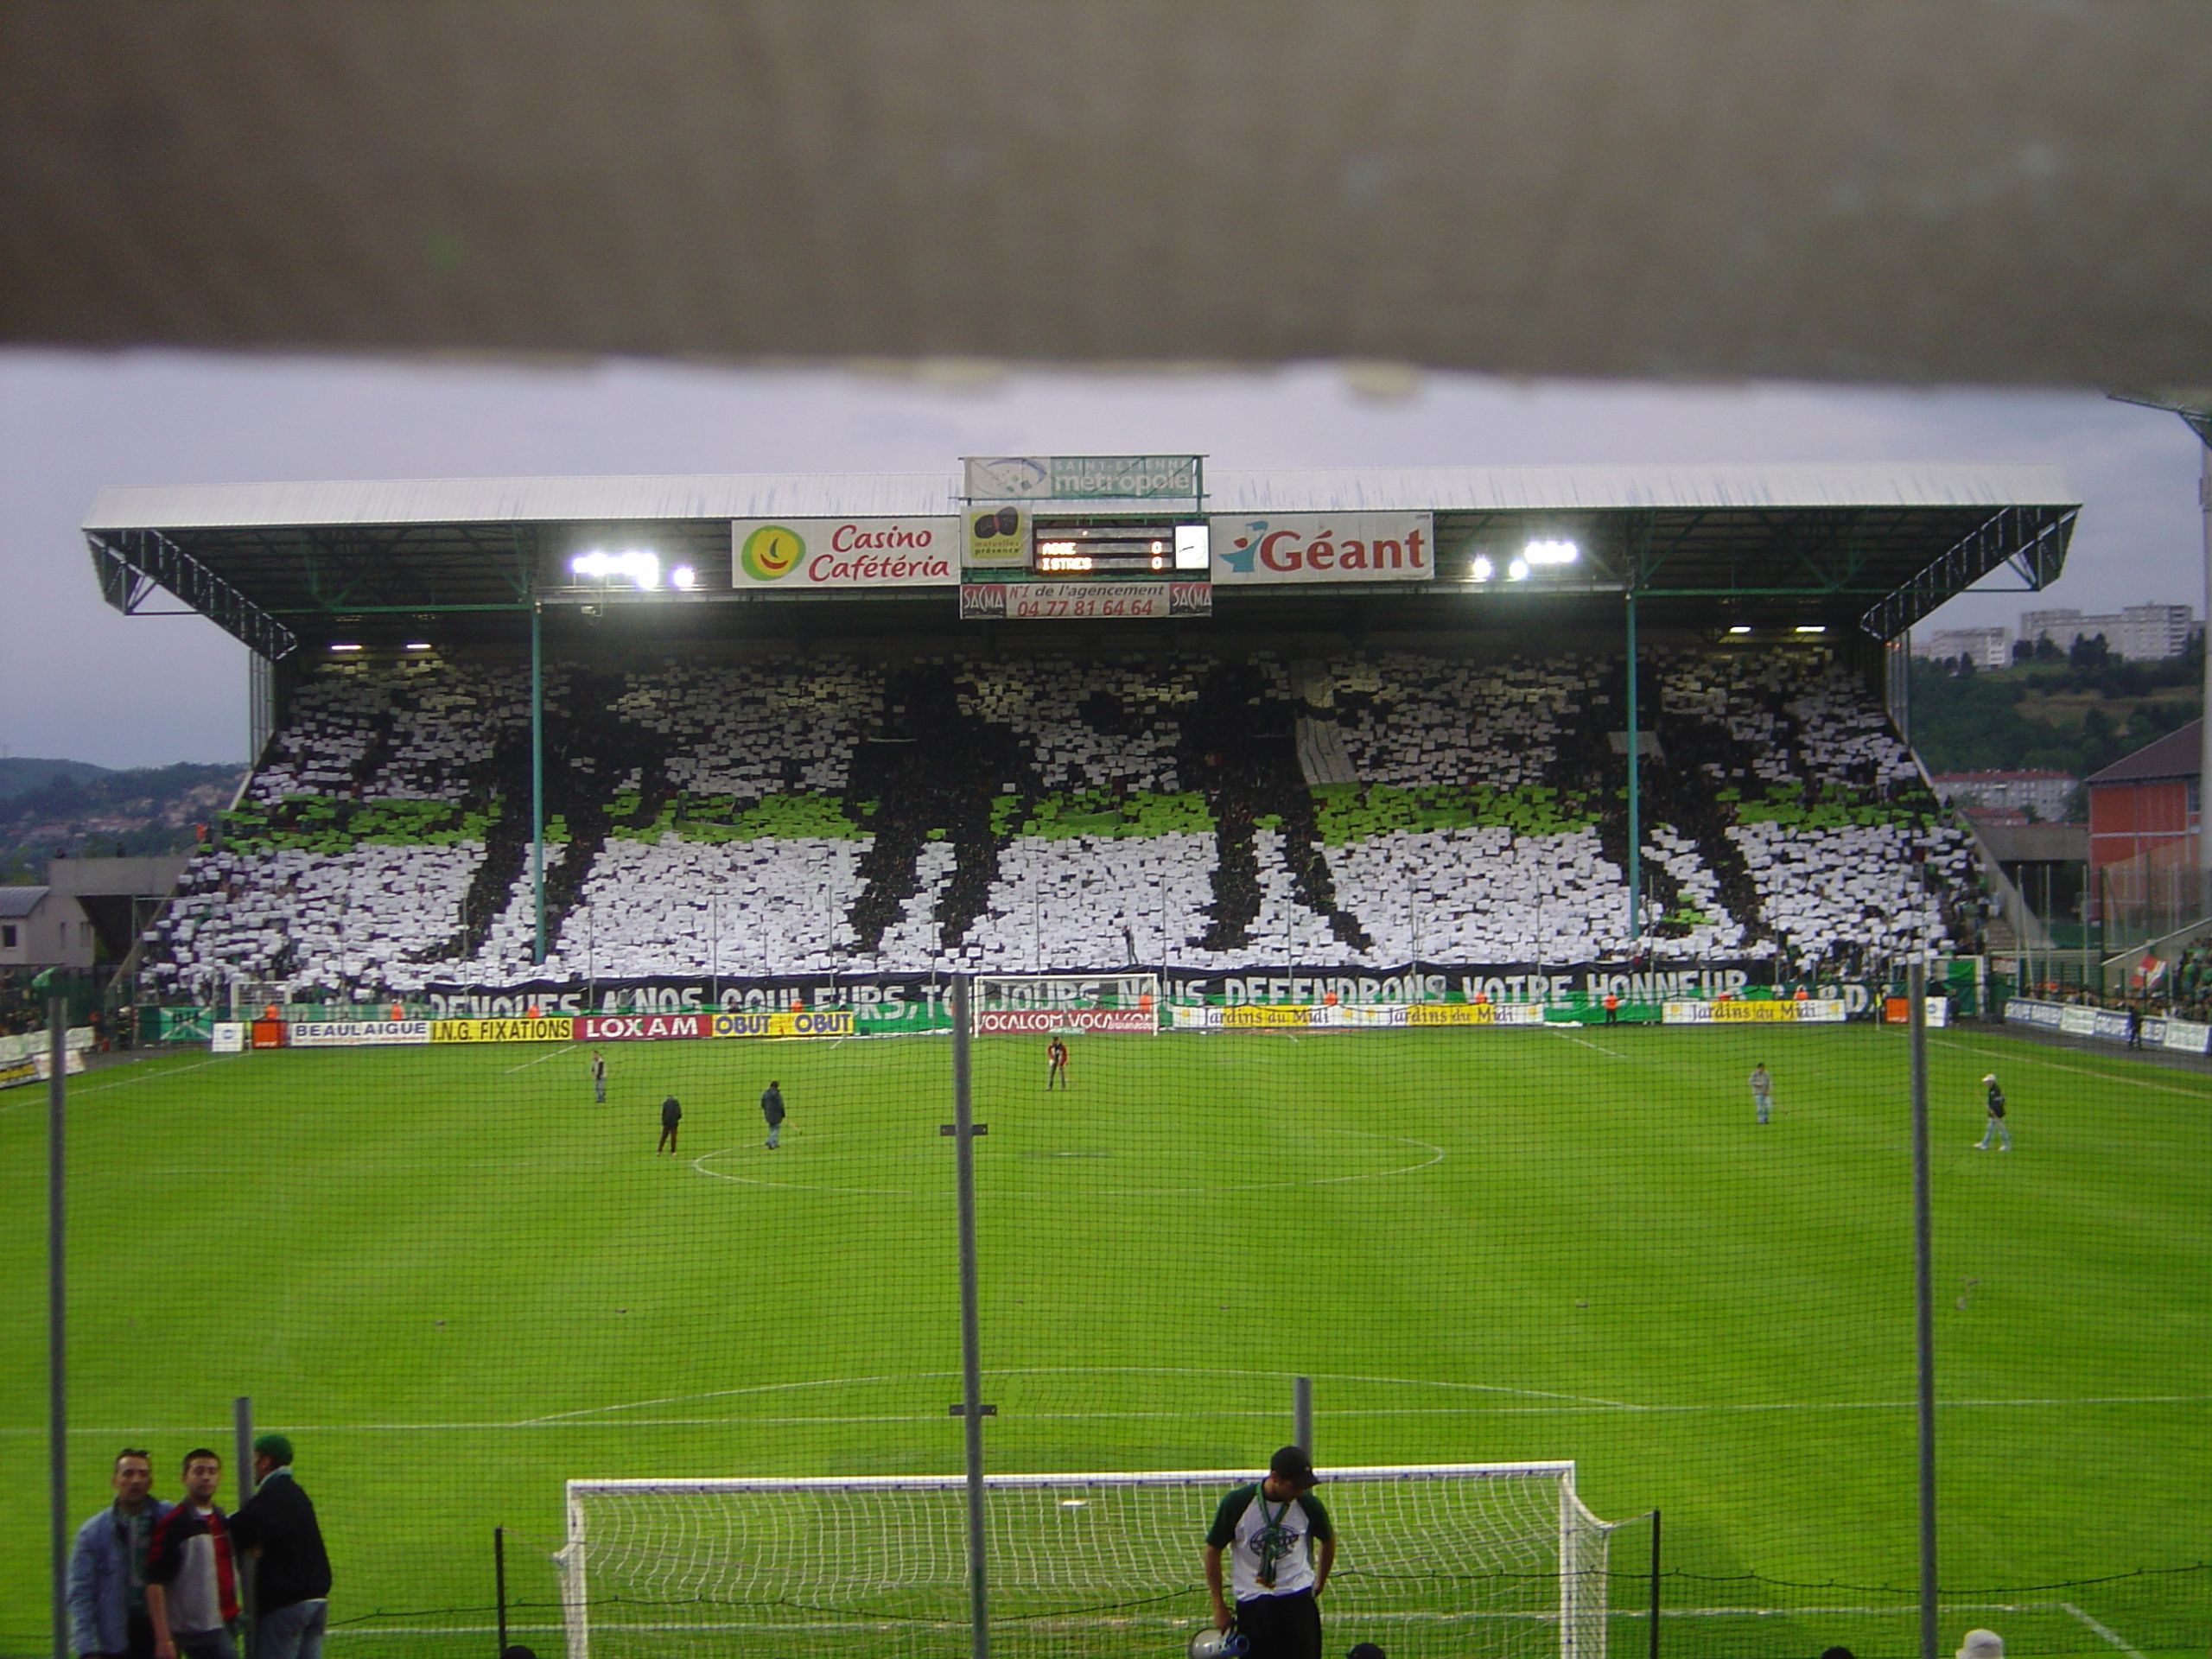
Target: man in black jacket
[[292, 1581]]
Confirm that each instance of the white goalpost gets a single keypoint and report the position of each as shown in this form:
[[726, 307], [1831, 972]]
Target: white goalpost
[[1449, 1559], [1040, 1005]]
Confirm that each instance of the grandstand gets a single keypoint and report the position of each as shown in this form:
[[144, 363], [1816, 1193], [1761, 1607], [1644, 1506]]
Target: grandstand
[[1332, 820], [834, 777]]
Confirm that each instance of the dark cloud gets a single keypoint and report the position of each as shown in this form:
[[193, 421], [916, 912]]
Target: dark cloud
[[81, 681]]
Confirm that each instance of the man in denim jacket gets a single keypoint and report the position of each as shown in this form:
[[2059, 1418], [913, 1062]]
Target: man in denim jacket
[[107, 1566]]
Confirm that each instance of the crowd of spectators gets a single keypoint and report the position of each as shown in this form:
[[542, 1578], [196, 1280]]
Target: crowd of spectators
[[930, 775]]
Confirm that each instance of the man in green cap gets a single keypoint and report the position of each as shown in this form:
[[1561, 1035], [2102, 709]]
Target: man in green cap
[[292, 1582]]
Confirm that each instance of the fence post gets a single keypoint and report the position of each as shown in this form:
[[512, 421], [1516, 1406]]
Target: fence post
[[57, 1048], [242, 1437], [1923, 1303], [499, 1580], [1301, 1413], [1655, 1584], [971, 1363]]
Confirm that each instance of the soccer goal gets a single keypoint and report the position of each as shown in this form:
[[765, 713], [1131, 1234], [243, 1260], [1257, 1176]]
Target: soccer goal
[[1454, 1559], [1037, 1005]]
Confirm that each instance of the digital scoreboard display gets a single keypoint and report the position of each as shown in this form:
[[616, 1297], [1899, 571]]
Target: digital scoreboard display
[[1089, 550]]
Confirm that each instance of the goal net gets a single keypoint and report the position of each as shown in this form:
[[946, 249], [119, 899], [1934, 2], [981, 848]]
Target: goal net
[[1037, 1005], [1457, 1559]]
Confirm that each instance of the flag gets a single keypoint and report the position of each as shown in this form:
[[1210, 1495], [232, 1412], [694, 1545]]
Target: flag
[[2154, 969]]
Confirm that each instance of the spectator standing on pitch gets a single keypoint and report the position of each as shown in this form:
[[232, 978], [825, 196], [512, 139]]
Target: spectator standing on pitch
[[192, 1589], [1056, 1063], [107, 1566], [1996, 1124], [599, 1078], [671, 1114], [772, 1108], [1762, 1090], [1982, 1644], [1269, 1529], [291, 1586]]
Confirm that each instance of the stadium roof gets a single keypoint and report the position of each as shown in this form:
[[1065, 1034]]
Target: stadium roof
[[1945, 191], [2179, 754], [277, 563]]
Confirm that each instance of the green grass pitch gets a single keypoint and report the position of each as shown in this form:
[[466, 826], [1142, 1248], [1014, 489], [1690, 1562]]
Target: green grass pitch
[[458, 1281]]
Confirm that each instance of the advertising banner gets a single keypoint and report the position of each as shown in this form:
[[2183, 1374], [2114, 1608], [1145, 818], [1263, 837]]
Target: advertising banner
[[2185, 1035], [1316, 547], [1766, 1012], [1081, 478], [38, 1067], [2023, 1011], [818, 554], [358, 1034], [1083, 601], [1475, 1014], [1038, 1022], [996, 539], [554, 1028], [822, 1022], [642, 1027], [2076, 1020], [226, 1037]]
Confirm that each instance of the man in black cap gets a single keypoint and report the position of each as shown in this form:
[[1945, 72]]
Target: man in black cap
[[1270, 1529], [291, 1585]]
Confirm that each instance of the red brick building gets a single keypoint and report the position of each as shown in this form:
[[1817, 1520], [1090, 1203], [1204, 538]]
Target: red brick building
[[2145, 806]]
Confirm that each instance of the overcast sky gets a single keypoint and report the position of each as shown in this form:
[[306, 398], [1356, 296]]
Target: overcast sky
[[81, 682]]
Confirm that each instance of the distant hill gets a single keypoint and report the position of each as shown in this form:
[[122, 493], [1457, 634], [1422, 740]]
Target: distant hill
[[85, 810], [18, 774]]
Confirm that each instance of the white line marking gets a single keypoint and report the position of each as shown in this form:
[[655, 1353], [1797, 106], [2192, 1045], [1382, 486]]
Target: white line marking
[[147, 1077], [1573, 1036], [2131, 1653], [565, 1048], [2032, 1056]]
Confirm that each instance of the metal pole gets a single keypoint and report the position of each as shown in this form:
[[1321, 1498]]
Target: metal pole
[[1655, 1584], [971, 1359], [57, 1405], [499, 1580], [1923, 1303], [1635, 797], [538, 778], [1301, 1413], [242, 1440]]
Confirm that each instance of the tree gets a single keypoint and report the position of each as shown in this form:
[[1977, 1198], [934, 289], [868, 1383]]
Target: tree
[[2023, 650], [2047, 650], [2090, 653]]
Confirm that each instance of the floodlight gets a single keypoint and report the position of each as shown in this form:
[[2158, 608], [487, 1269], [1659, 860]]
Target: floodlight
[[419, 644], [345, 647], [1193, 551], [1812, 628], [1517, 571], [684, 577], [639, 565], [1556, 551], [1740, 627], [1481, 570]]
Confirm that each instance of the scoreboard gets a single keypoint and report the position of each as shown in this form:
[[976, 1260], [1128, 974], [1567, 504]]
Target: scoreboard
[[1064, 553]]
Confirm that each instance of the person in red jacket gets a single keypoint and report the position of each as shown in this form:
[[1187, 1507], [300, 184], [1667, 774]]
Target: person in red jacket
[[191, 1592]]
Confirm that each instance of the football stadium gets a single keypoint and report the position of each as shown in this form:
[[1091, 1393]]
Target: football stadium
[[820, 1065]]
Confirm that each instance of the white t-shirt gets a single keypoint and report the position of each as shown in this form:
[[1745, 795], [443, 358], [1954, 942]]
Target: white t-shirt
[[1250, 1528]]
